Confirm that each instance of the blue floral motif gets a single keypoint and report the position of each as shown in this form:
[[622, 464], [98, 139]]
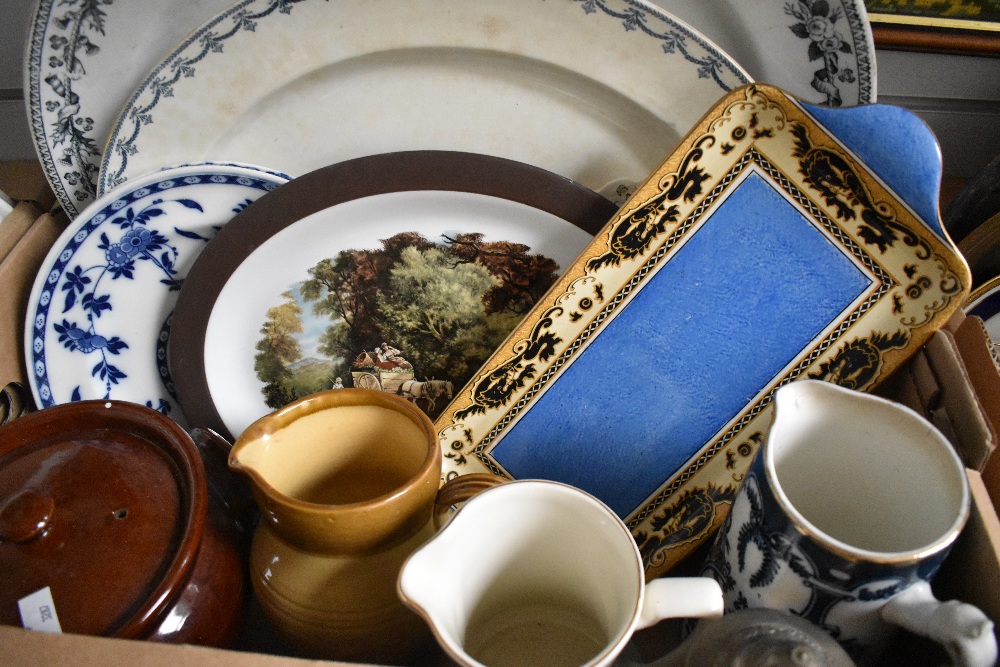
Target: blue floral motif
[[82, 286], [75, 283], [160, 406], [675, 40], [134, 239], [76, 339], [817, 22]]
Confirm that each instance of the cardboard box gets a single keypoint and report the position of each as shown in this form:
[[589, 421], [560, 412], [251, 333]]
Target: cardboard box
[[954, 381], [17, 275]]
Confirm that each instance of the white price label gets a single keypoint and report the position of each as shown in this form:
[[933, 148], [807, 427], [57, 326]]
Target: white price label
[[38, 612]]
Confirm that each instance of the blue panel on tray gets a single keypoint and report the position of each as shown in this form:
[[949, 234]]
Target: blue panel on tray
[[741, 299]]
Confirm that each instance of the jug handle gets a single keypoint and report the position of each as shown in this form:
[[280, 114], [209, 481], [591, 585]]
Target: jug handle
[[680, 597], [459, 489], [965, 632], [14, 402], [230, 490]]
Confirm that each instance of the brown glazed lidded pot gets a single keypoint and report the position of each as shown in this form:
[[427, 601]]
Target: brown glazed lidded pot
[[106, 504]]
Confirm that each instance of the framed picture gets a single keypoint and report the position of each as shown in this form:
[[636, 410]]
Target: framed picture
[[970, 27]]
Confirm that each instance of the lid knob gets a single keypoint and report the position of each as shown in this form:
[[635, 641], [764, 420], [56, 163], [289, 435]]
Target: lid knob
[[26, 516]]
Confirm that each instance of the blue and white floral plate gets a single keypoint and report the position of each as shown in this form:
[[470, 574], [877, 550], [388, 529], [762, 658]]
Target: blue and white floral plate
[[99, 314], [597, 92]]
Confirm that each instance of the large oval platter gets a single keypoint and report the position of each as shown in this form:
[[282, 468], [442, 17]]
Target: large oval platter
[[399, 272], [598, 92], [99, 314]]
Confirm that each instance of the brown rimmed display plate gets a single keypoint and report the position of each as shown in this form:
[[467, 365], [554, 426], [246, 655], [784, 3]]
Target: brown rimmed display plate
[[437, 254]]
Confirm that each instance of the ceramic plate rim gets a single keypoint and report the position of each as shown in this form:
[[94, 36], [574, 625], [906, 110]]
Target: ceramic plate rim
[[771, 69], [120, 144], [39, 32]]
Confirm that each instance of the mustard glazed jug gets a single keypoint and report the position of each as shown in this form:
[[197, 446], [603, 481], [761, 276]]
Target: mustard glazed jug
[[345, 480]]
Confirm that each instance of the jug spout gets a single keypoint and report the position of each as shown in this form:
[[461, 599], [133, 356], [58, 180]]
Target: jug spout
[[345, 480], [341, 471]]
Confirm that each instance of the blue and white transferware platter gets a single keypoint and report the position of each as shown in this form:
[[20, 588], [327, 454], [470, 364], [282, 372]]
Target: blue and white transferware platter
[[99, 314], [780, 241], [83, 60], [597, 92]]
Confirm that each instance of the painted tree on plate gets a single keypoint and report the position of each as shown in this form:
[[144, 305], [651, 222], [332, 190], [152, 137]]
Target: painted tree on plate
[[434, 310], [277, 349], [446, 305]]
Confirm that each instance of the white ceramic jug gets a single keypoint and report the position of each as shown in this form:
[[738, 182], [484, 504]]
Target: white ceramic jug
[[541, 573]]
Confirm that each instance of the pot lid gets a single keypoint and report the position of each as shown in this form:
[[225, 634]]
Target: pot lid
[[103, 504]]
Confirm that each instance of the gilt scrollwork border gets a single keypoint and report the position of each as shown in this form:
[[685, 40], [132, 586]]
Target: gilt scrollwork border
[[917, 280]]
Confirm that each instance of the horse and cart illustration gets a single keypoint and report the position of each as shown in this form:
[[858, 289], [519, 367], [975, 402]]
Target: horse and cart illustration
[[385, 369]]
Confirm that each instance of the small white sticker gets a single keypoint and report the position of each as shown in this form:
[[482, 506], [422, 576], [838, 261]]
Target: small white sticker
[[38, 612]]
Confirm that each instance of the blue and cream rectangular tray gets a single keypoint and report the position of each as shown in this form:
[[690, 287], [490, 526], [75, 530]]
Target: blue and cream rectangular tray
[[779, 241]]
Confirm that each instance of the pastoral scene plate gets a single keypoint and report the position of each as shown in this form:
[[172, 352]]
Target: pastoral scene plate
[[84, 60], [99, 314], [779, 241], [598, 92], [398, 272]]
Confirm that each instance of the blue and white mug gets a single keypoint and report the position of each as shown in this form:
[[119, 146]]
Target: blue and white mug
[[849, 509]]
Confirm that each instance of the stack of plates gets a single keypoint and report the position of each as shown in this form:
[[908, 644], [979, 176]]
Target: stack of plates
[[456, 155], [619, 67], [571, 97]]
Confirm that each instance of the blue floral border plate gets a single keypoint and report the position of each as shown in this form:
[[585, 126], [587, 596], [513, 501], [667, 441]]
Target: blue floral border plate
[[83, 60], [99, 313], [821, 51], [779, 241]]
